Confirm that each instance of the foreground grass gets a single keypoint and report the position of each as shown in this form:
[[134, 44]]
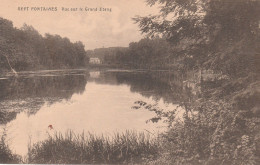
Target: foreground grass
[[6, 156], [128, 147]]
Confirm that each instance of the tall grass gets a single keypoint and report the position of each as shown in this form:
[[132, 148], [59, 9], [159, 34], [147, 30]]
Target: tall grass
[[6, 156], [128, 147]]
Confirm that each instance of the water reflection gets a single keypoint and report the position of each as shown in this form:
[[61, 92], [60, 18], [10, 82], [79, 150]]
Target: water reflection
[[159, 85], [101, 109], [43, 86], [96, 102], [30, 91]]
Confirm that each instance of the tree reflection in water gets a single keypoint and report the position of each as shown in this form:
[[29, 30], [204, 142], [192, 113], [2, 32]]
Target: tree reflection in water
[[30, 91]]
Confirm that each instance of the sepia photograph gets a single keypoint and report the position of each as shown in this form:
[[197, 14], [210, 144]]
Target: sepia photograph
[[157, 82]]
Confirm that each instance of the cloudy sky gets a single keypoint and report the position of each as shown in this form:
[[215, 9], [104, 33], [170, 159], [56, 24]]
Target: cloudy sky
[[94, 28]]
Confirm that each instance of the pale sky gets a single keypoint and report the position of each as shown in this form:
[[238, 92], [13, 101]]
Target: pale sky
[[94, 28]]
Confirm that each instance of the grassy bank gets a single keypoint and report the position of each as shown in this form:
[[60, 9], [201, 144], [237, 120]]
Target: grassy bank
[[128, 147], [6, 156]]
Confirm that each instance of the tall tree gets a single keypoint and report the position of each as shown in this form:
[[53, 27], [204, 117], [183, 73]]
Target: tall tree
[[201, 28]]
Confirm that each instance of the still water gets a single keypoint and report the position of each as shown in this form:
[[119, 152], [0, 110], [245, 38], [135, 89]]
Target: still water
[[98, 102]]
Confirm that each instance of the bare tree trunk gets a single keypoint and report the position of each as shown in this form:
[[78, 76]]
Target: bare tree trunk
[[12, 69]]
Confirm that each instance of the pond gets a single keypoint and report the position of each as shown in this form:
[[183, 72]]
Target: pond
[[98, 102]]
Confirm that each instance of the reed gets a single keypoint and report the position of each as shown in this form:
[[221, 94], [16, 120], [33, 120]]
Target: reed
[[127, 147]]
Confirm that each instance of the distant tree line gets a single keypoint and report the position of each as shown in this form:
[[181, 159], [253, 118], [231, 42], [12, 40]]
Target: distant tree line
[[26, 49], [147, 53]]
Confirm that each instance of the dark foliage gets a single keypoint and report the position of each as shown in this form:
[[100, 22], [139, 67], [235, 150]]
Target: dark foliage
[[25, 49], [222, 126]]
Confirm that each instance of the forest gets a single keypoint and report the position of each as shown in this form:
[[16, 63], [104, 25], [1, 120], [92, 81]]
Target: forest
[[25, 49]]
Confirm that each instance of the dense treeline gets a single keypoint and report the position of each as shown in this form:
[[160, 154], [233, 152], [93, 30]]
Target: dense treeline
[[25, 49], [107, 55], [147, 53]]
